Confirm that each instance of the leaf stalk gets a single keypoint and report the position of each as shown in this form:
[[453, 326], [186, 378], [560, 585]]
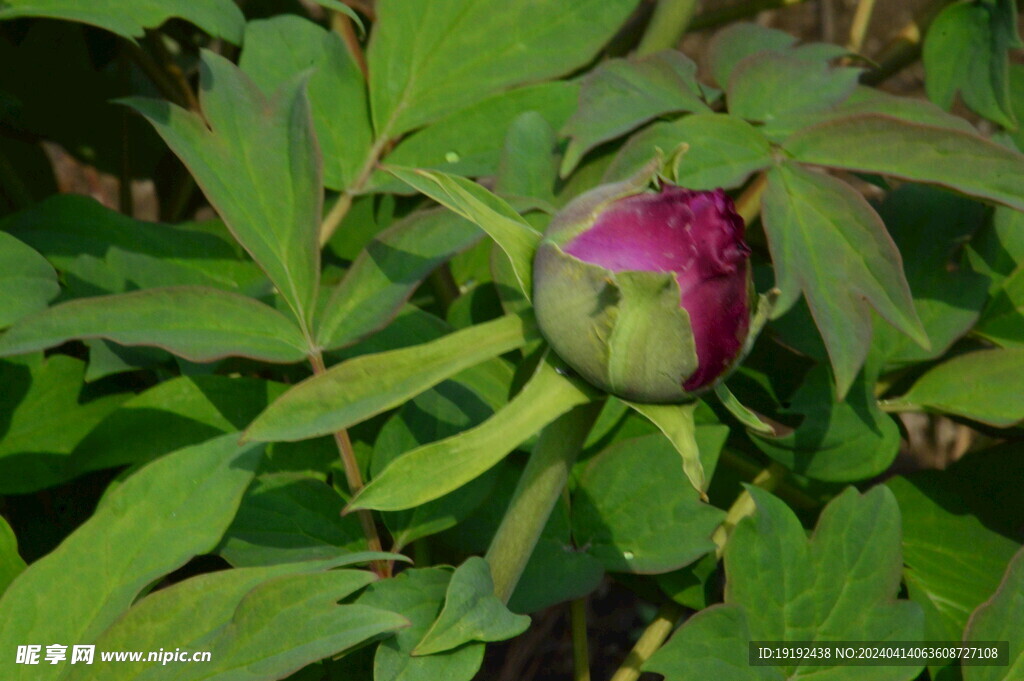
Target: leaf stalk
[[354, 478], [653, 637], [538, 490]]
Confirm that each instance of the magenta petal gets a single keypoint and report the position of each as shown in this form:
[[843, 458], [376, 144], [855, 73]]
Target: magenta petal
[[696, 235]]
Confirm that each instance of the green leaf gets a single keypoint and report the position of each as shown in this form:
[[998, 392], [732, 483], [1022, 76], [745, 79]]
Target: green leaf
[[419, 70], [27, 280], [471, 612], [634, 511], [721, 151], [741, 412], [712, 645], [282, 47], [835, 441], [983, 385], [418, 594], [464, 142], [868, 100], [287, 623], [491, 213], [219, 18], [840, 585], [967, 50], [74, 231], [339, 6], [529, 165], [182, 411], [11, 564], [829, 243], [675, 421], [386, 273], [952, 561], [997, 250], [288, 517], [620, 95], [649, 316], [359, 388], [872, 143], [170, 616], [1002, 321], [1001, 618], [43, 421], [257, 162], [772, 85], [443, 411], [740, 40], [154, 522], [430, 471], [197, 323], [929, 227], [557, 570]]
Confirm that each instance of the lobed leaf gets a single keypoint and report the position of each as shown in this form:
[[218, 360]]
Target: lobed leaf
[[258, 163], [420, 71], [881, 144], [279, 49], [471, 612], [148, 526], [840, 585], [418, 594], [966, 50], [773, 85], [827, 242], [634, 511], [619, 95], [740, 40], [720, 151]]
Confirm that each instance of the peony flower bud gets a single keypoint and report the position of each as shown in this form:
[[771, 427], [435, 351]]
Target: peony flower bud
[[647, 295]]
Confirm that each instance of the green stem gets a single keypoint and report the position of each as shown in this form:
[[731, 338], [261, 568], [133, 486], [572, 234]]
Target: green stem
[[667, 25], [536, 494], [354, 478], [768, 479], [859, 27], [580, 650], [344, 202], [905, 48], [652, 639]]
